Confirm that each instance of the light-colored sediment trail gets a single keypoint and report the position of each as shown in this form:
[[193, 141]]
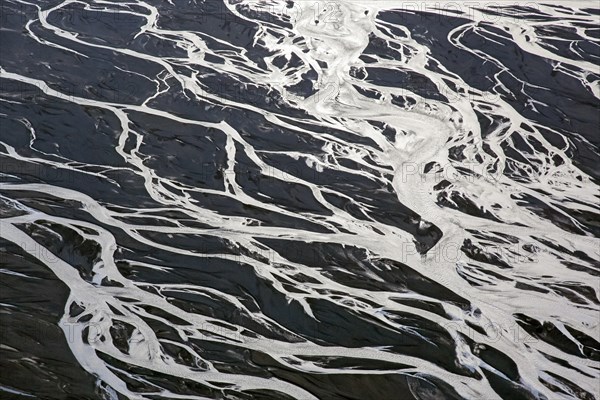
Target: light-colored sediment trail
[[325, 43]]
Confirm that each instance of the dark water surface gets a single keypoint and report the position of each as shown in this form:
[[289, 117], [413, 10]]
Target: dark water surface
[[304, 200]]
